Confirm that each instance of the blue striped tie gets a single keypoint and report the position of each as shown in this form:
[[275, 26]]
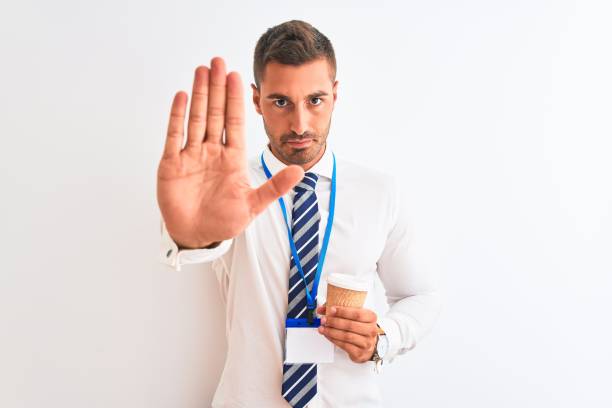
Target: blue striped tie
[[300, 380]]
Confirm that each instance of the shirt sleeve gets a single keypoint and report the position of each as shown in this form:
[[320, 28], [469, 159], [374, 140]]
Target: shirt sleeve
[[411, 286], [172, 256]]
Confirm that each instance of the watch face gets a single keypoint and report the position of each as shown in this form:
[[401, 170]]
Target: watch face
[[383, 345]]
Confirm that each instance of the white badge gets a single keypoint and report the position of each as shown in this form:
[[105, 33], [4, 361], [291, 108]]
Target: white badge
[[304, 343]]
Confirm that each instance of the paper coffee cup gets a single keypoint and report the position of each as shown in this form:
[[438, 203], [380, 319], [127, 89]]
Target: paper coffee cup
[[346, 290]]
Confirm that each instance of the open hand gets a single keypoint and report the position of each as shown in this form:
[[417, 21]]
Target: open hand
[[203, 188]]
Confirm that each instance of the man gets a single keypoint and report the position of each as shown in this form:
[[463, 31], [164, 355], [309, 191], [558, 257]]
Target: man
[[216, 207]]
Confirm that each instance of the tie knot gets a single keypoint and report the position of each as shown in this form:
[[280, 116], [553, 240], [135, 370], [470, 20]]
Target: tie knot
[[308, 183]]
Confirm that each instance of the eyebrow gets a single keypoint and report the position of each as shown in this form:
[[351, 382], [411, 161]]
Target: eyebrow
[[281, 96]]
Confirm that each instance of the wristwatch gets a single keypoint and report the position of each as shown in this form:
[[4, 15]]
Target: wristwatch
[[382, 345]]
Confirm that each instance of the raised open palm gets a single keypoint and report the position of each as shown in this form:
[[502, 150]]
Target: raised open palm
[[203, 189]]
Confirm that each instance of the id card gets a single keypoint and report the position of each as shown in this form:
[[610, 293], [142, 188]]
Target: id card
[[304, 343]]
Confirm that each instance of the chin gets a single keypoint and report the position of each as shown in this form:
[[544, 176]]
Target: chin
[[302, 156]]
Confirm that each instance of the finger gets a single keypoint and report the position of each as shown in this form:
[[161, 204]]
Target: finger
[[215, 118], [277, 186], [353, 313], [346, 336], [364, 329], [321, 309], [197, 110], [234, 115], [176, 124]]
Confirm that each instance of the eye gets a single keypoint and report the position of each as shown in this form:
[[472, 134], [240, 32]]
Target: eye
[[280, 100], [316, 97]]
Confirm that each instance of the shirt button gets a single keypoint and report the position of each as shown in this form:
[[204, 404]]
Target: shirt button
[[168, 253]]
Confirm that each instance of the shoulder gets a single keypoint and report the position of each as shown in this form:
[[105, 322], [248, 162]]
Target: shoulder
[[368, 178]]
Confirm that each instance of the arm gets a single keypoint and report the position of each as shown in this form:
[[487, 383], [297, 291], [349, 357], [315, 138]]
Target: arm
[[203, 189], [411, 288], [173, 255]]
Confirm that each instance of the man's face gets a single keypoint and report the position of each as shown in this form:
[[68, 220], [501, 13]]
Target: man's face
[[296, 103]]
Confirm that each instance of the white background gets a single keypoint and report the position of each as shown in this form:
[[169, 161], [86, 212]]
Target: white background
[[496, 115]]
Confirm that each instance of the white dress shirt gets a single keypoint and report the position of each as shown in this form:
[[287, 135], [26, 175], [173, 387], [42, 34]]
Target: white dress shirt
[[371, 234]]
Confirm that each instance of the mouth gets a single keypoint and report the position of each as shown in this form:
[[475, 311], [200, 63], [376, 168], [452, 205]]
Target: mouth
[[299, 144]]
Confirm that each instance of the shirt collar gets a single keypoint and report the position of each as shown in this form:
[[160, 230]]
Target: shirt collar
[[323, 167]]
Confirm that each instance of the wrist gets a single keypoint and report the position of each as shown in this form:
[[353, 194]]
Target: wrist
[[201, 246], [381, 346]]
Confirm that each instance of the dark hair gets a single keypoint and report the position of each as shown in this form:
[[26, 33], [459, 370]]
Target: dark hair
[[293, 42]]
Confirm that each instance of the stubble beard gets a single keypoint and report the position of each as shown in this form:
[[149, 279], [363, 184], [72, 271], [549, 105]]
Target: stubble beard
[[298, 156]]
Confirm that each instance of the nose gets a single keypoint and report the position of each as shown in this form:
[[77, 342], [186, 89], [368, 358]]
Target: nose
[[299, 119]]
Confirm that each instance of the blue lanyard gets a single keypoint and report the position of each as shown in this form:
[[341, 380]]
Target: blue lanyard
[[310, 297]]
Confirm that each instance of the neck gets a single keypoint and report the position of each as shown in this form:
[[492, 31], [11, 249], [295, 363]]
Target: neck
[[305, 166]]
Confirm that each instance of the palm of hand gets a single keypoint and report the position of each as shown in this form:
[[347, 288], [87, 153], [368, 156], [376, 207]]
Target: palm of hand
[[203, 189]]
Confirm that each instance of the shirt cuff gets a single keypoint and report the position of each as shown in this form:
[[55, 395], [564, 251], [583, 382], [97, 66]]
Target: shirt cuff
[[172, 256], [392, 331]]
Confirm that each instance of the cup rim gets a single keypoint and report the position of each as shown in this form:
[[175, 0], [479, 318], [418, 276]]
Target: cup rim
[[345, 281]]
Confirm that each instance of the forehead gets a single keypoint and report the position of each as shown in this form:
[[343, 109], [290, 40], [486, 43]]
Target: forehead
[[301, 79]]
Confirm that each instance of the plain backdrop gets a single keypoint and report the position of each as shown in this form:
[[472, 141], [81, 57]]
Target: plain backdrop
[[496, 114]]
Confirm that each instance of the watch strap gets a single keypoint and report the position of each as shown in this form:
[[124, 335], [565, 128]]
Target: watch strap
[[375, 356]]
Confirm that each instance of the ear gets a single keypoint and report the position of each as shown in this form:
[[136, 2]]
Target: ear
[[256, 98], [335, 91]]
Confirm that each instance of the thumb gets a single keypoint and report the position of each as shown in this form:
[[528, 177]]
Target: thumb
[[277, 186]]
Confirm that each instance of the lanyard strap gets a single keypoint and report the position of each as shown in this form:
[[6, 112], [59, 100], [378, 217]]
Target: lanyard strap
[[310, 297]]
